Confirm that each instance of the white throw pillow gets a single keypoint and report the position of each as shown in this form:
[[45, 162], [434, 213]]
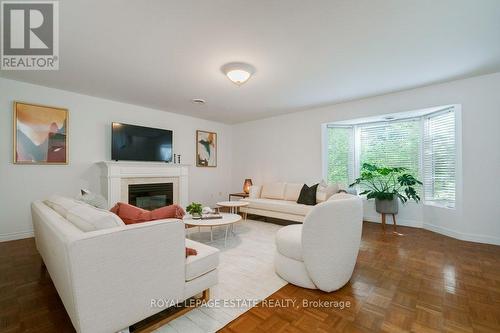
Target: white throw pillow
[[61, 204], [88, 218], [292, 191], [254, 192], [325, 191], [273, 191]]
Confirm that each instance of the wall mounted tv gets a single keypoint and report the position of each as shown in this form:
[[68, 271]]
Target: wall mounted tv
[[137, 143]]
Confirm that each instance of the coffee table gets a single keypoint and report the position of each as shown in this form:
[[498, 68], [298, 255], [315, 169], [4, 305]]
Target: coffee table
[[234, 206], [227, 220]]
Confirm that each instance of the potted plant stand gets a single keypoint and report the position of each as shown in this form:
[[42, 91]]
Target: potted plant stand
[[385, 207], [387, 185]]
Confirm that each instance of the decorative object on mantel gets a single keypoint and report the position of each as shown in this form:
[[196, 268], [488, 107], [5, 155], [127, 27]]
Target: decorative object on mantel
[[40, 134], [246, 185], [387, 185], [206, 149]]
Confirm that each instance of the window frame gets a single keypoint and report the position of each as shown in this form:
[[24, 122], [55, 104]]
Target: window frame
[[446, 204]]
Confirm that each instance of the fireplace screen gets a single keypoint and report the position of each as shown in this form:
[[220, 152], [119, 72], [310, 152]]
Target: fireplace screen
[[150, 196]]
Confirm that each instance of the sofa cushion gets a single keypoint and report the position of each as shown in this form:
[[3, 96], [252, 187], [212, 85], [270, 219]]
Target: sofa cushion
[[88, 218], [308, 195], [282, 206], [325, 191], [206, 260], [292, 191], [273, 191], [289, 241], [62, 204]]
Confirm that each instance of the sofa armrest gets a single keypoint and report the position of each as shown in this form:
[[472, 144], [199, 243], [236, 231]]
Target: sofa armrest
[[117, 272]]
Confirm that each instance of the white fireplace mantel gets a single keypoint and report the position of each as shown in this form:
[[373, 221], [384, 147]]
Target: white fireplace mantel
[[116, 175]]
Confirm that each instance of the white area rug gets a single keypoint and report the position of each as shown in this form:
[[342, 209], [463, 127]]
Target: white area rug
[[246, 272]]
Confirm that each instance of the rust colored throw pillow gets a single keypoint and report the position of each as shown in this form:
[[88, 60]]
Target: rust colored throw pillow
[[131, 214], [190, 252], [172, 211]]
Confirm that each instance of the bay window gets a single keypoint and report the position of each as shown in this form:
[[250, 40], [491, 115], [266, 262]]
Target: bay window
[[425, 144]]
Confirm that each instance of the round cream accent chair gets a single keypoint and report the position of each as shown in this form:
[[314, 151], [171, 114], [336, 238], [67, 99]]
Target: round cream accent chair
[[321, 252]]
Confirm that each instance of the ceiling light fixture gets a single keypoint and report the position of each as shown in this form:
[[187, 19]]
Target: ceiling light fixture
[[238, 72]]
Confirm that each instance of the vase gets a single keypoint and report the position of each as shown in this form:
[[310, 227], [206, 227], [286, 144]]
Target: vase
[[387, 206]]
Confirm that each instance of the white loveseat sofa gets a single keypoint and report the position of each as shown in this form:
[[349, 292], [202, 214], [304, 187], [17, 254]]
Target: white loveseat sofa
[[279, 200], [321, 253], [109, 279]]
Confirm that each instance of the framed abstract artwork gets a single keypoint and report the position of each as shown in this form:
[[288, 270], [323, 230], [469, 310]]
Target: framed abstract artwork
[[206, 149], [40, 134]]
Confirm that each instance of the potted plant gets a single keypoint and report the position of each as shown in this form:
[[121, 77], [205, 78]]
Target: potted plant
[[386, 185], [195, 209]]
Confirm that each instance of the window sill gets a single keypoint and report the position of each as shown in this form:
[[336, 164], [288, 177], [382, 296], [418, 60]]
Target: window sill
[[443, 205], [410, 202]]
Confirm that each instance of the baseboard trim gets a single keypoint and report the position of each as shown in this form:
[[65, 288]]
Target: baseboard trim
[[16, 235], [462, 236], [399, 221]]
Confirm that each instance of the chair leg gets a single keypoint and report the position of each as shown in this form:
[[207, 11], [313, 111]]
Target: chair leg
[[383, 221]]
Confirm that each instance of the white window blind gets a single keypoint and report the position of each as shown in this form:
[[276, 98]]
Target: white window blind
[[391, 144], [340, 154], [439, 153]]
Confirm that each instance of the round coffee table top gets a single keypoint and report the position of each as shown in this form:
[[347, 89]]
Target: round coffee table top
[[226, 219], [233, 203]]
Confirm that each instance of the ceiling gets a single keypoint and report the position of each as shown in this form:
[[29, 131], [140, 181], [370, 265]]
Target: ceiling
[[162, 54]]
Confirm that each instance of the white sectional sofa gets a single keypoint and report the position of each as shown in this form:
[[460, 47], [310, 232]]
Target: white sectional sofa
[[279, 200], [109, 278]]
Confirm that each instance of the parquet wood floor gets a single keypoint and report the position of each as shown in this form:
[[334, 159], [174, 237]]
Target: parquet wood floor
[[417, 282]]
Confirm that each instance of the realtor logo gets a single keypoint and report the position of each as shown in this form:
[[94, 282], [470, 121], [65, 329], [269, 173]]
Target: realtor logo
[[30, 35]]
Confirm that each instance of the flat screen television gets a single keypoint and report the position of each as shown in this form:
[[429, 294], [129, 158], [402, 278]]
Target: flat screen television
[[138, 143]]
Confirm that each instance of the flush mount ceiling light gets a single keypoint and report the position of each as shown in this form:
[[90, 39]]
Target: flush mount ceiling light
[[238, 72]]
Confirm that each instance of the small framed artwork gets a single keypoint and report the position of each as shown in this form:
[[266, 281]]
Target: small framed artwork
[[40, 134], [206, 149]]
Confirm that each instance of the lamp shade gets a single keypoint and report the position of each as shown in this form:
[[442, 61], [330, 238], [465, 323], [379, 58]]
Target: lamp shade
[[246, 185]]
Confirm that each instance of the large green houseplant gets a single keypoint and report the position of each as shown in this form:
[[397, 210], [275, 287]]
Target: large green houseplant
[[386, 185]]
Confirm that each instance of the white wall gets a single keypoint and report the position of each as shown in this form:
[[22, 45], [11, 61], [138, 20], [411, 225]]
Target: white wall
[[90, 142], [288, 148]]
